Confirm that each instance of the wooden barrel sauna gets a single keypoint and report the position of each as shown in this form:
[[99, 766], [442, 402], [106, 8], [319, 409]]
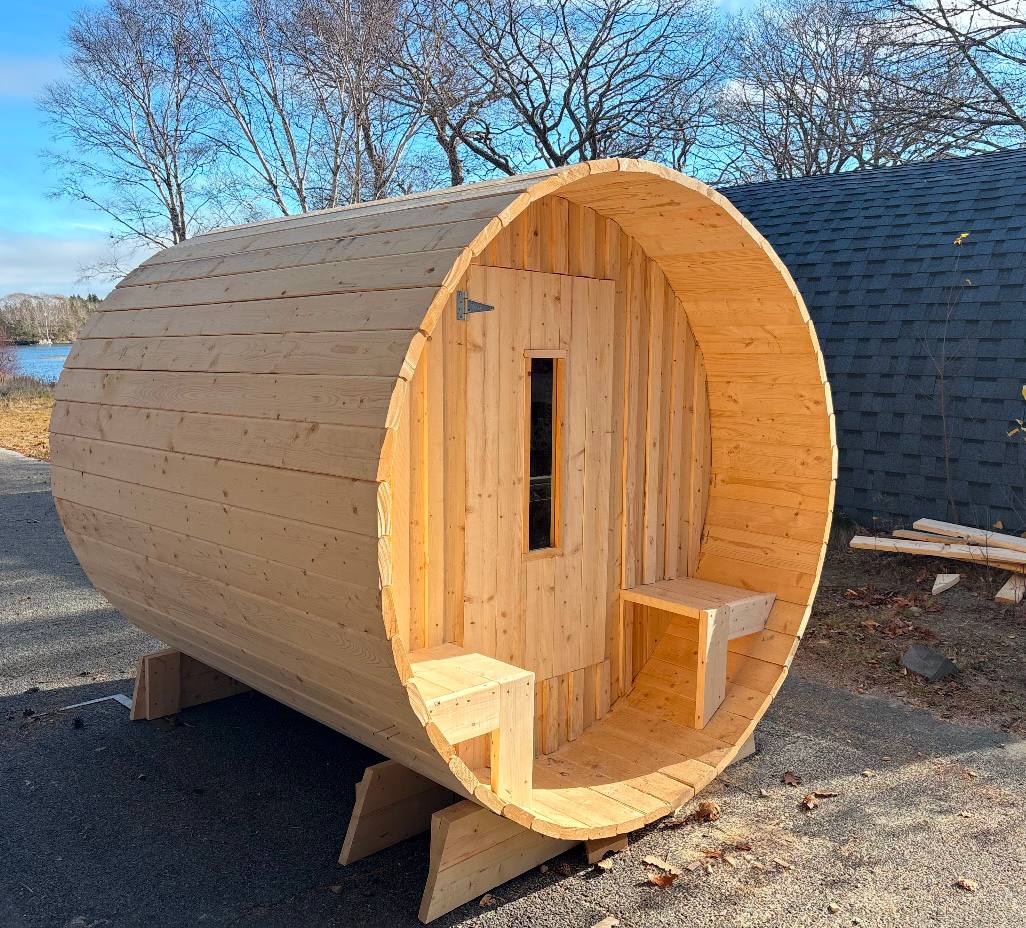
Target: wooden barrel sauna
[[525, 484]]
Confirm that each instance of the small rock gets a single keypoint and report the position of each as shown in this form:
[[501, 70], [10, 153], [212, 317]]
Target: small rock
[[868, 773], [605, 864], [833, 908], [31, 690], [336, 889], [544, 868], [969, 886], [915, 611], [487, 899], [929, 664], [763, 793]]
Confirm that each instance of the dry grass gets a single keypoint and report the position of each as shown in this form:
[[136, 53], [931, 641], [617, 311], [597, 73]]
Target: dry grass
[[25, 408]]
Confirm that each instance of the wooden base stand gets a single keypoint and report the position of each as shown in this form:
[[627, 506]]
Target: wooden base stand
[[168, 681], [473, 850], [392, 804]]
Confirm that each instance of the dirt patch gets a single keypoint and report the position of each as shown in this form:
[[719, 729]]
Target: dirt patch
[[25, 424], [871, 607]]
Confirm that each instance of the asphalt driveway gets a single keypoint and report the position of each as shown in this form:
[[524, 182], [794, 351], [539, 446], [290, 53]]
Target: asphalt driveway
[[233, 813]]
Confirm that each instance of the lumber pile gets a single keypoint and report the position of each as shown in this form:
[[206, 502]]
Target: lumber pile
[[932, 538]]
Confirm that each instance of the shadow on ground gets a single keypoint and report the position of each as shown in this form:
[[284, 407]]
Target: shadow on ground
[[233, 813]]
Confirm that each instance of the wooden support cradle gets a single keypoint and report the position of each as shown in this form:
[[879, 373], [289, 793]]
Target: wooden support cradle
[[168, 681], [473, 850]]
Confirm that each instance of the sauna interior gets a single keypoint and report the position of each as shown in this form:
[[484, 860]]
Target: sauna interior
[[579, 401]]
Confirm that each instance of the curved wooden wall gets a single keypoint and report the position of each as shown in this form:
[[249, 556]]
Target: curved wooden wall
[[226, 428]]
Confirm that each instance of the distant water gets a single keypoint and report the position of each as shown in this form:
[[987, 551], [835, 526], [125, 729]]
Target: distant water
[[42, 361]]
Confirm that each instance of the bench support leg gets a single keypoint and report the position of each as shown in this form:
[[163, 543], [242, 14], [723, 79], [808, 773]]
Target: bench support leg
[[711, 672], [168, 681], [392, 804], [474, 850]]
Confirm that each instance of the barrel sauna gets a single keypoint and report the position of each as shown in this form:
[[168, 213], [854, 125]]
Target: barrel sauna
[[524, 484]]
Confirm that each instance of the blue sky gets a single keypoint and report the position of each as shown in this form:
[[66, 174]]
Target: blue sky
[[44, 243]]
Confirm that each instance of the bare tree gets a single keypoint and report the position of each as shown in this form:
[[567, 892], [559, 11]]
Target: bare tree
[[352, 46], [430, 72], [131, 116], [573, 80], [822, 86], [282, 136], [989, 37]]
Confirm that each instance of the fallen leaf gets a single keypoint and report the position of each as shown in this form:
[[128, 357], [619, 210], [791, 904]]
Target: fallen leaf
[[825, 794], [809, 802], [605, 864], [654, 861], [707, 811], [488, 899], [713, 852], [969, 886], [790, 778], [868, 773], [783, 864], [662, 880], [742, 846], [730, 861], [763, 793]]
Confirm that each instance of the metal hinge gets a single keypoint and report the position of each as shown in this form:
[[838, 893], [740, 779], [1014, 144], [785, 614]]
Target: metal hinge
[[465, 305]]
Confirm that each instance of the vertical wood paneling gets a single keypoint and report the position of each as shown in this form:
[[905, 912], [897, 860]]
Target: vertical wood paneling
[[632, 455]]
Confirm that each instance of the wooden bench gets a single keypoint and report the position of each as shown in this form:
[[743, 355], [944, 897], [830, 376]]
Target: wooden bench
[[468, 695], [722, 613]]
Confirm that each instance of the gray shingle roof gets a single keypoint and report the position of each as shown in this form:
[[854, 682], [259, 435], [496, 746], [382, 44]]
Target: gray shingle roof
[[892, 298]]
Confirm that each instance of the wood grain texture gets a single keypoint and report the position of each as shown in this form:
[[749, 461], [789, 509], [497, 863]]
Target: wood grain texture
[[274, 443]]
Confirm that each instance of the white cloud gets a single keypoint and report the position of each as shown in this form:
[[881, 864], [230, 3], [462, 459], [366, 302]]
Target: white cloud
[[48, 264], [27, 75]]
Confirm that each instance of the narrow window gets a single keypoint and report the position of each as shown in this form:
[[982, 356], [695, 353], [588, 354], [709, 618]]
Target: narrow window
[[543, 450]]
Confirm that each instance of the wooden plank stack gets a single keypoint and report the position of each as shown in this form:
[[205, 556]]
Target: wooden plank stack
[[932, 538]]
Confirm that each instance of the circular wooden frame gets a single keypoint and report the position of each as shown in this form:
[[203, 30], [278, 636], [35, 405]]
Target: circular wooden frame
[[224, 443]]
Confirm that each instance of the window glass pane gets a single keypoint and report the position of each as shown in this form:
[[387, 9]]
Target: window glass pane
[[542, 452]]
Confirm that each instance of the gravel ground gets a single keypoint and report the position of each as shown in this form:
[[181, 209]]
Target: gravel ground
[[234, 813]]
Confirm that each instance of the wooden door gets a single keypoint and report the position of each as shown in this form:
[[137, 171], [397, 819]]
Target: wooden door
[[546, 609]]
